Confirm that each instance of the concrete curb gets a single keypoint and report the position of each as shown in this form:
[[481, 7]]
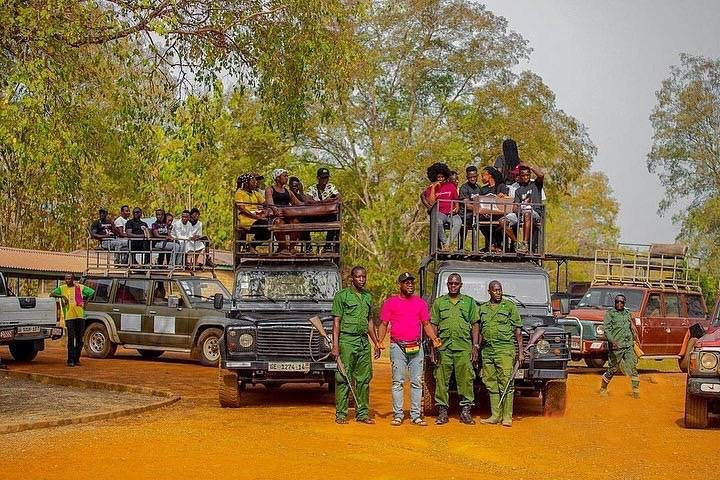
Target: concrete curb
[[167, 399]]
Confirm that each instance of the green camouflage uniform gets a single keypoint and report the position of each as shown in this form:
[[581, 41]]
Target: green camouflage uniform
[[618, 329], [454, 320], [354, 311], [498, 322]]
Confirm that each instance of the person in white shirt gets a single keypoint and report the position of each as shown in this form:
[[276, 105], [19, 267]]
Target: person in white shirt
[[325, 192], [187, 236]]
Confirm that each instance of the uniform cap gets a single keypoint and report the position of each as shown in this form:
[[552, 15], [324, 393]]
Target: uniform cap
[[405, 276]]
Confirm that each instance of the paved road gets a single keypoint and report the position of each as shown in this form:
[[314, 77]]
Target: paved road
[[290, 433]]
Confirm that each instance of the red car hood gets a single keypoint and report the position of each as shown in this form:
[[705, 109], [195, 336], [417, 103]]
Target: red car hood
[[592, 314], [711, 338]]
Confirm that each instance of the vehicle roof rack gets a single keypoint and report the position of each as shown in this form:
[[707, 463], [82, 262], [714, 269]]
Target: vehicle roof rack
[[659, 266]]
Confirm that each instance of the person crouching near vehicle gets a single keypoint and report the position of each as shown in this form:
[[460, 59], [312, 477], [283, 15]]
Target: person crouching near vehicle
[[455, 320], [407, 314], [621, 334], [73, 298], [500, 330], [352, 325]]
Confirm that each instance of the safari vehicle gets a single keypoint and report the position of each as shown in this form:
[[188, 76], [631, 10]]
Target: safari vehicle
[[661, 290], [154, 310], [268, 339], [702, 390], [26, 322], [544, 371]]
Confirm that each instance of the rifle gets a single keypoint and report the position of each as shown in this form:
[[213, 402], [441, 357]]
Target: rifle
[[537, 334], [317, 323]]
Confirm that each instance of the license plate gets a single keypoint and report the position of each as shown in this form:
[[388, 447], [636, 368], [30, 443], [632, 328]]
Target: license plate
[[520, 374], [710, 387], [289, 367], [21, 330], [575, 343]]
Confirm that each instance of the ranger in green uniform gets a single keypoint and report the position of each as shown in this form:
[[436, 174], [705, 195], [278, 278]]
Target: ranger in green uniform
[[455, 317], [500, 325], [621, 334], [351, 326]]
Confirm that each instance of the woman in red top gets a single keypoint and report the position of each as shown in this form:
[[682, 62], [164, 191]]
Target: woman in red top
[[443, 192]]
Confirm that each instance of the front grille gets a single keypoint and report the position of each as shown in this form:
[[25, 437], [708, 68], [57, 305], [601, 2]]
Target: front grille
[[288, 341]]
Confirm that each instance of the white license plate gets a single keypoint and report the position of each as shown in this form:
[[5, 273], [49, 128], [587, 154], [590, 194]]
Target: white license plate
[[289, 367], [520, 374], [710, 387], [575, 343], [28, 330]]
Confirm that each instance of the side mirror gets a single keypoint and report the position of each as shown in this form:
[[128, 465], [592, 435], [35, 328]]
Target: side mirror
[[218, 301], [697, 331], [564, 306], [173, 301]]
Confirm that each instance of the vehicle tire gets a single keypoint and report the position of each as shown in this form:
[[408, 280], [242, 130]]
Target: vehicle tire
[[696, 411], [23, 351], [228, 389], [97, 341], [428, 394], [684, 361], [150, 353], [554, 398], [595, 362], [208, 346]]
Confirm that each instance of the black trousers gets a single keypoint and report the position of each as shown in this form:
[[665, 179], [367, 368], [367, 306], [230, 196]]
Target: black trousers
[[75, 332]]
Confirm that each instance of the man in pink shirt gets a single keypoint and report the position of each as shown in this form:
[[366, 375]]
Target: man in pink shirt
[[408, 315]]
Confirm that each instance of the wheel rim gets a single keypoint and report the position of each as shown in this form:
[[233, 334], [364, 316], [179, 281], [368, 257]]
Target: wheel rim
[[97, 342], [211, 351]]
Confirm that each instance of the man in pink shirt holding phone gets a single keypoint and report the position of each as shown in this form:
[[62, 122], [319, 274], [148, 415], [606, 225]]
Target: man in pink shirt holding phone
[[407, 316]]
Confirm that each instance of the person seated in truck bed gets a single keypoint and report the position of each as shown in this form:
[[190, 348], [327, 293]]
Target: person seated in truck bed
[[493, 184], [252, 212], [325, 192], [445, 194], [161, 234], [104, 231], [186, 235], [296, 187], [278, 195], [526, 194], [138, 232]]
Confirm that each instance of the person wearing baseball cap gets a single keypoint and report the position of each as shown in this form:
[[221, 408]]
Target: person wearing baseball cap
[[406, 315], [325, 192]]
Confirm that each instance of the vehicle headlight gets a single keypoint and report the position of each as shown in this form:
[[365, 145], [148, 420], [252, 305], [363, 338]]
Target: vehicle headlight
[[708, 361], [245, 340], [600, 330], [542, 347]]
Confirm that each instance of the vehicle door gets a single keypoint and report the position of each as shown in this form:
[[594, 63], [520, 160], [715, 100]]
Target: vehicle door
[[652, 330], [168, 315], [675, 323], [130, 311]]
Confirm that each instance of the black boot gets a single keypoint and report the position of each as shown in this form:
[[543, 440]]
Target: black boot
[[465, 416], [442, 417]]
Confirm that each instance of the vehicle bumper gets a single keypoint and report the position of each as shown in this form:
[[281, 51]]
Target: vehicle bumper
[[704, 387], [588, 348], [21, 334], [527, 374], [261, 367]]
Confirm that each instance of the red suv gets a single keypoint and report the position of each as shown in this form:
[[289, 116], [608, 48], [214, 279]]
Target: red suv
[[702, 391]]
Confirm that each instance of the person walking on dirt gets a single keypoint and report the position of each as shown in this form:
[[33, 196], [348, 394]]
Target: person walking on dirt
[[352, 324], [407, 314], [455, 318], [621, 334], [73, 297], [500, 330]]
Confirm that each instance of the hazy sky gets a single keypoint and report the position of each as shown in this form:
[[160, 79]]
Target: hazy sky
[[605, 59]]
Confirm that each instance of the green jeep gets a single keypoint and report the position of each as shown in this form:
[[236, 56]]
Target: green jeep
[[155, 312]]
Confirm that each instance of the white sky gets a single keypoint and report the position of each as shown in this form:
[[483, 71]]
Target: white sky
[[605, 59]]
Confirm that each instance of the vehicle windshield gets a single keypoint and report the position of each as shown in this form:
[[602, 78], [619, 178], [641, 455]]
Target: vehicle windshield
[[201, 291], [317, 285], [528, 289], [605, 298]]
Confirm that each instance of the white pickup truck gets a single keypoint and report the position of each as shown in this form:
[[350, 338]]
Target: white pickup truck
[[25, 323]]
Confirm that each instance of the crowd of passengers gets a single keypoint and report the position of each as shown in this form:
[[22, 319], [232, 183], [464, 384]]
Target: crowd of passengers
[[177, 242], [508, 179]]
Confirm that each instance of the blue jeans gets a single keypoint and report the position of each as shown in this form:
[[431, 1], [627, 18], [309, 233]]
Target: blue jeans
[[403, 363]]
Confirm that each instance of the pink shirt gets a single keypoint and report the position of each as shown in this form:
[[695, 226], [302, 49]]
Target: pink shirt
[[405, 316], [446, 191]]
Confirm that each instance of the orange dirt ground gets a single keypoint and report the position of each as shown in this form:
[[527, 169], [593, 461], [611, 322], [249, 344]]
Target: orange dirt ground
[[290, 433]]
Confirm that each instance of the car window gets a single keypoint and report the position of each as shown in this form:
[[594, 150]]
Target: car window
[[652, 309], [695, 306], [132, 292], [672, 305], [161, 290], [102, 288]]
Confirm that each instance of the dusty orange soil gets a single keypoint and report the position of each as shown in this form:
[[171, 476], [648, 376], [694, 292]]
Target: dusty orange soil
[[290, 433]]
